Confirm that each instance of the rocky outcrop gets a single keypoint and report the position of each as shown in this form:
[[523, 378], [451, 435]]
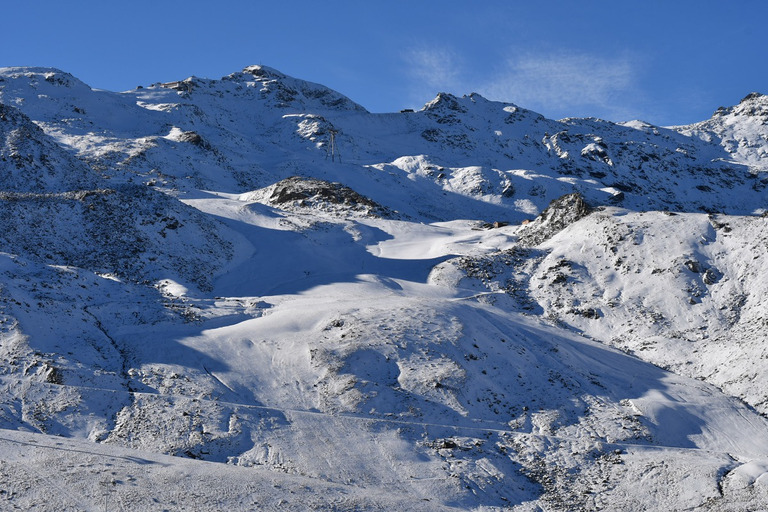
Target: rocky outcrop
[[557, 216], [302, 193]]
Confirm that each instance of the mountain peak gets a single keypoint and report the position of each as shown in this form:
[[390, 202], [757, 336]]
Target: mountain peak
[[754, 96], [260, 71], [445, 101], [34, 75], [752, 105], [288, 90]]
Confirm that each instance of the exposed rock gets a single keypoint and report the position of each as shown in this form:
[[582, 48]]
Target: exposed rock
[[316, 194], [194, 138], [560, 213], [445, 102], [711, 276], [591, 313], [693, 266]]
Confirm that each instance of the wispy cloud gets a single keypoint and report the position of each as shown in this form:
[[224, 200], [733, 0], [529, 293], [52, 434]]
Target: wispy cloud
[[566, 82], [556, 84], [432, 70]]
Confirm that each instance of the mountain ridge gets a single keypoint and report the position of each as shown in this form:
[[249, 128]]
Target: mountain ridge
[[585, 155]]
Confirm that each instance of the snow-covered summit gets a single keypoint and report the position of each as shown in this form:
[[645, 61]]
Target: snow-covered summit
[[34, 76], [753, 105], [279, 90], [741, 131]]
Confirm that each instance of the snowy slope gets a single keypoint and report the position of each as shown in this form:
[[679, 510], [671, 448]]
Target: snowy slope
[[741, 130], [684, 291], [187, 270], [59, 210]]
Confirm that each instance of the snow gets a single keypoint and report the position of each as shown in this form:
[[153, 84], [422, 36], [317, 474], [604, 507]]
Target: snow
[[171, 337]]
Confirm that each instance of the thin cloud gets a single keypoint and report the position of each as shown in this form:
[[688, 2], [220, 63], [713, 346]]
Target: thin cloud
[[555, 84], [568, 84], [432, 70]]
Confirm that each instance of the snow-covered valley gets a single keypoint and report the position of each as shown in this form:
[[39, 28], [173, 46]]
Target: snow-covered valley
[[250, 293]]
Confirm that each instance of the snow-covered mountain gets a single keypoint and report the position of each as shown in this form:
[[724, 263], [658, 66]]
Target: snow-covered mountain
[[315, 307]]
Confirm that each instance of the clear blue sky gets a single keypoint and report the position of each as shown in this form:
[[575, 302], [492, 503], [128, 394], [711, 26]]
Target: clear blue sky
[[666, 62]]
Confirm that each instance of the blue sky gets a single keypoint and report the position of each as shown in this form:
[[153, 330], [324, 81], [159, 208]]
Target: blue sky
[[666, 62]]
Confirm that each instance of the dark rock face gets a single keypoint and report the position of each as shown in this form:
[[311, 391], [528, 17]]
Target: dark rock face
[[693, 266], [559, 214], [196, 139], [312, 192], [711, 276]]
